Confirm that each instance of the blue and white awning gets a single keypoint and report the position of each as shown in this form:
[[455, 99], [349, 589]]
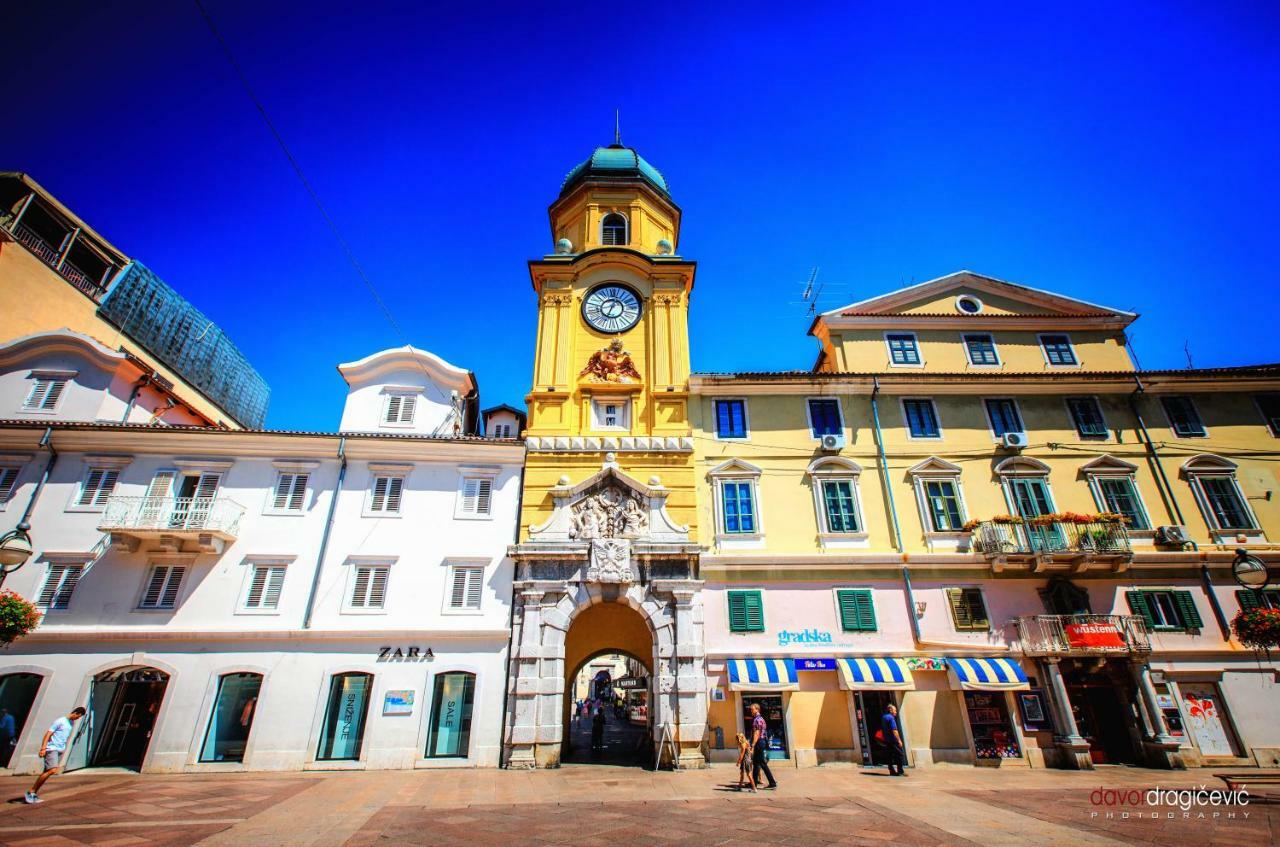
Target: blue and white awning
[[988, 674], [874, 673], [762, 675]]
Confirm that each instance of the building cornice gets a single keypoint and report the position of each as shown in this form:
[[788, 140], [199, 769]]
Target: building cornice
[[98, 634]]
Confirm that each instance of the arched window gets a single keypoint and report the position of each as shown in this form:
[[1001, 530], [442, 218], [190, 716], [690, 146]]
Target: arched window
[[613, 230], [17, 693], [232, 718]]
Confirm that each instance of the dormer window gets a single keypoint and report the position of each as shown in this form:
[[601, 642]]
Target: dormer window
[[613, 230], [399, 409], [45, 392]]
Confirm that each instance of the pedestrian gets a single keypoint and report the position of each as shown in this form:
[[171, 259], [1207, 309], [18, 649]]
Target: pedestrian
[[760, 748], [893, 740], [744, 763], [8, 737], [52, 748], [597, 731]]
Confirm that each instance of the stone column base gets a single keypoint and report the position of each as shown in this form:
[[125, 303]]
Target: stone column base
[[691, 758], [1163, 754], [1073, 754]]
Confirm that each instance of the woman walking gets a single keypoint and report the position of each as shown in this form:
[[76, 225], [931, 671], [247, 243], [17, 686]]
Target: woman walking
[[744, 763]]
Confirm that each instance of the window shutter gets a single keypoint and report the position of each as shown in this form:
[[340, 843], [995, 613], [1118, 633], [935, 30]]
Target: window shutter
[[378, 588], [959, 611], [857, 614], [89, 491], [395, 489], [284, 485], [70, 579], [1139, 606], [475, 583], [151, 597], [257, 587], [56, 387], [1187, 610], [477, 494], [379, 494], [458, 595], [51, 584], [106, 485], [275, 583], [297, 498], [407, 405], [8, 478], [755, 612], [161, 484], [484, 491], [162, 588], [208, 485], [1248, 600], [746, 611], [977, 608], [393, 409], [171, 586], [361, 588]]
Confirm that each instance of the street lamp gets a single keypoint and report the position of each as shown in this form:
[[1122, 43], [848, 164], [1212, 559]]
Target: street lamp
[[15, 549], [1250, 571]]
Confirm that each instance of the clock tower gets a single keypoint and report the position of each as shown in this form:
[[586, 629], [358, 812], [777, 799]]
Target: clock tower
[[607, 561]]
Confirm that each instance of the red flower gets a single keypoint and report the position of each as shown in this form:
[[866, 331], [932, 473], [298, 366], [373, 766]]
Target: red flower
[[1258, 628], [18, 616]]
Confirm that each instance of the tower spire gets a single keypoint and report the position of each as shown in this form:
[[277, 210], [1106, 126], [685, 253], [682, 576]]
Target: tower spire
[[617, 127]]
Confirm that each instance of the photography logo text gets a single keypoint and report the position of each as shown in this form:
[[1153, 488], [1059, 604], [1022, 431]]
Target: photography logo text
[[1200, 803]]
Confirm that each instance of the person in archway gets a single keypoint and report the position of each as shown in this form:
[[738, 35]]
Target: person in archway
[[893, 740], [760, 748], [597, 730], [52, 748]]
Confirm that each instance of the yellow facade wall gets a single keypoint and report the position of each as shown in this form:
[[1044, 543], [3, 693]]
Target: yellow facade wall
[[942, 351]]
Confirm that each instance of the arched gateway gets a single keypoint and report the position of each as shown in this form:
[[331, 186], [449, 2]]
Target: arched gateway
[[609, 541]]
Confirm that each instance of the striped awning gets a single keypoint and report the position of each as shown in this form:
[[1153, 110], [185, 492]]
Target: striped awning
[[762, 675], [872, 673], [988, 674]]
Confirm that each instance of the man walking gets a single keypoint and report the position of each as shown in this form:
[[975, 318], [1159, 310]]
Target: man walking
[[760, 748], [893, 740], [52, 748]]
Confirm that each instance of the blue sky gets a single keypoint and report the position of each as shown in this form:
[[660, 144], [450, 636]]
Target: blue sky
[[1120, 153]]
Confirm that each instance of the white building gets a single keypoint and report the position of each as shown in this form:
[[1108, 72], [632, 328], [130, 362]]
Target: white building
[[258, 600]]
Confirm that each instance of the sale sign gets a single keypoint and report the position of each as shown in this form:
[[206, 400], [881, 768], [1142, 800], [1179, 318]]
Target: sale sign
[[1094, 635]]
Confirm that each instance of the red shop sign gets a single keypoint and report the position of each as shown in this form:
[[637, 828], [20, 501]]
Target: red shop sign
[[1094, 635]]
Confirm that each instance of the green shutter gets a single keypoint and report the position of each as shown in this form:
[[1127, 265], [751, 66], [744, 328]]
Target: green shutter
[[1248, 600], [977, 608], [857, 614], [1187, 610], [746, 611], [1138, 605], [967, 608]]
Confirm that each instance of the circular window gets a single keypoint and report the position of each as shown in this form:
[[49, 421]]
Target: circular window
[[968, 305]]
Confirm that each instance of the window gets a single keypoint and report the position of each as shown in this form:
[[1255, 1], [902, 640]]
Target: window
[[265, 584], [59, 585], [857, 614], [738, 515], [1118, 495], [840, 505], [386, 495], [921, 418], [968, 610], [8, 481], [44, 394], [731, 418], [450, 727], [903, 349], [611, 413], [1165, 611], [746, 611], [161, 591], [466, 584], [1183, 417], [291, 492], [824, 417], [1269, 405], [613, 230], [502, 430], [1086, 417], [369, 587], [342, 734], [1004, 417], [1058, 350], [399, 409], [968, 304], [1250, 600], [232, 719], [1226, 506], [942, 503], [97, 487], [476, 496], [981, 350]]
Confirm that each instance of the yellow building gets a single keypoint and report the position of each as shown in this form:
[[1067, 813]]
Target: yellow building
[[975, 507]]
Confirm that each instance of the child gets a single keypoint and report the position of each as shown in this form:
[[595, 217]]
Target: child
[[744, 762]]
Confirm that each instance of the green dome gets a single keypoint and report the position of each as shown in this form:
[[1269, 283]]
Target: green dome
[[615, 162]]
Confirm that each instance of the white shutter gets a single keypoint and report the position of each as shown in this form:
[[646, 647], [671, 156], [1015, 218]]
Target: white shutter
[[56, 387], [89, 490], [483, 496], [59, 585], [379, 501], [393, 409], [378, 588], [208, 485], [360, 590], [155, 587], [458, 594], [8, 479], [476, 495], [44, 394], [395, 491], [297, 497], [171, 587], [275, 584], [291, 491], [284, 485], [257, 586], [265, 586], [161, 484], [475, 581], [407, 406]]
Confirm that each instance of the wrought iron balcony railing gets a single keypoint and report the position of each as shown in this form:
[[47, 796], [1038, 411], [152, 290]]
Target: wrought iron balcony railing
[[172, 516], [52, 257], [1100, 539], [1082, 635]]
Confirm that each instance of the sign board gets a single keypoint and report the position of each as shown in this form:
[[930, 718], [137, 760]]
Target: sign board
[[926, 663], [631, 683], [397, 703], [815, 664], [717, 695], [1094, 635]]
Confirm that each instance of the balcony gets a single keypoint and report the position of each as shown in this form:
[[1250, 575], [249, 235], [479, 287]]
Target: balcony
[[57, 259], [191, 524], [1083, 635], [1048, 544]]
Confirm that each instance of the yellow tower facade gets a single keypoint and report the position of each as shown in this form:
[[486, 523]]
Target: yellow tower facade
[[611, 364]]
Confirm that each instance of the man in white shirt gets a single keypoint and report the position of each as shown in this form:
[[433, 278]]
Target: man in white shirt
[[52, 747]]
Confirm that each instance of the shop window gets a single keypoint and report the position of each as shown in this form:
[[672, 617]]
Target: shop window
[[450, 732], [1166, 611], [775, 723], [968, 609], [232, 718], [993, 734], [1250, 600], [342, 734], [17, 693], [746, 611], [857, 613], [731, 418]]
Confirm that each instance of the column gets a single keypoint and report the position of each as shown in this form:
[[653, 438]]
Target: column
[[525, 680], [1074, 748], [1147, 696]]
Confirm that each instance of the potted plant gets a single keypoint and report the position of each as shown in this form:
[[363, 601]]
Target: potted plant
[[1258, 628], [18, 616]]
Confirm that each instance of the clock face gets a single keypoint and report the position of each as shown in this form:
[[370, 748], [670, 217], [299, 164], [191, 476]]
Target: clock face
[[611, 308]]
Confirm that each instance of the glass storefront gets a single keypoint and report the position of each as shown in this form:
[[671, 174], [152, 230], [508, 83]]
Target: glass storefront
[[451, 715], [993, 734], [344, 719], [17, 692], [774, 721], [232, 718]]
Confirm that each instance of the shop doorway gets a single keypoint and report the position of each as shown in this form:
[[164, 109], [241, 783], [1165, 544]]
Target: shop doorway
[[17, 693], [869, 706], [123, 706], [774, 712], [1103, 720]]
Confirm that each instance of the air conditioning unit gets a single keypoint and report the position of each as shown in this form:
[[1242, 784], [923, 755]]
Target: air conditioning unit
[[833, 442], [1172, 535], [1014, 440]]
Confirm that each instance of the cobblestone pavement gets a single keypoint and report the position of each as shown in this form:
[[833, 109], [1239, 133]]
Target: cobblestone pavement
[[594, 804]]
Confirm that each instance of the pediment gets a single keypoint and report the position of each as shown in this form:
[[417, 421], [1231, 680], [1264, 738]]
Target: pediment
[[735, 467], [601, 480], [1022, 466], [833, 464], [1108, 464], [1208, 463], [933, 466]]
